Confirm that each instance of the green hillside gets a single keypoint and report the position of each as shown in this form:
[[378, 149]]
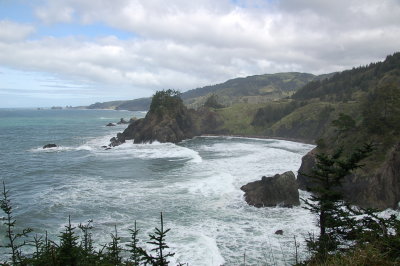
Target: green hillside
[[253, 90]]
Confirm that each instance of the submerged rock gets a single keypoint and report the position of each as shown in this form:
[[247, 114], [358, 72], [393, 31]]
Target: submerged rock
[[50, 145], [110, 125], [279, 190]]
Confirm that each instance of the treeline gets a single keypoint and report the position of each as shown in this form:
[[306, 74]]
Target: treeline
[[253, 85], [342, 86]]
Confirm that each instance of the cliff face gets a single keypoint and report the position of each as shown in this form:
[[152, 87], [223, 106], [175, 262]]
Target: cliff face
[[379, 188], [382, 188], [164, 127]]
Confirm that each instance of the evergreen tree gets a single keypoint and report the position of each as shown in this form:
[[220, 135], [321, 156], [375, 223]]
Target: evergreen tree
[[114, 249], [335, 223], [14, 239], [86, 245], [158, 240], [68, 249], [134, 249]]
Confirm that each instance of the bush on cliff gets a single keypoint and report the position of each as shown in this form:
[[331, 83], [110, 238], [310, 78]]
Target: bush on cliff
[[165, 101]]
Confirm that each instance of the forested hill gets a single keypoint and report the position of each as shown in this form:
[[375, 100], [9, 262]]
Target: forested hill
[[252, 89], [368, 94], [348, 84], [354, 107]]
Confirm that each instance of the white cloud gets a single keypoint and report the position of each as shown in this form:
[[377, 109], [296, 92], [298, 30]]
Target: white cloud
[[185, 44], [12, 31]]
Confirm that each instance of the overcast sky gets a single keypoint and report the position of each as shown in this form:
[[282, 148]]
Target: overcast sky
[[77, 52]]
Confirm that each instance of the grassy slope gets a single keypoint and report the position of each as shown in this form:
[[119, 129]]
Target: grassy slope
[[253, 90], [238, 117]]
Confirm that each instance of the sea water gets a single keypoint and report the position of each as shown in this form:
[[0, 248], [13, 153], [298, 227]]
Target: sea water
[[195, 184]]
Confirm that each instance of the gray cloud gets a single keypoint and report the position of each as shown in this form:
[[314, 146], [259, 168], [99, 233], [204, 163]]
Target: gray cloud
[[182, 44]]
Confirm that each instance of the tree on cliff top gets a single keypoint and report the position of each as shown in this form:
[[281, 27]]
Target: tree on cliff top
[[335, 223], [165, 101]]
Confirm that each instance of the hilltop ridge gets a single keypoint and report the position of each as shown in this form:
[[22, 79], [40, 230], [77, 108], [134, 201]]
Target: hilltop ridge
[[251, 89]]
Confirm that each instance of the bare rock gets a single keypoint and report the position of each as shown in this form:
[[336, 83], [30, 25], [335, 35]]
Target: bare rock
[[50, 145], [281, 190]]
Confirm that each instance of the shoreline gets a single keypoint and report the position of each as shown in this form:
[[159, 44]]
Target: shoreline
[[260, 137]]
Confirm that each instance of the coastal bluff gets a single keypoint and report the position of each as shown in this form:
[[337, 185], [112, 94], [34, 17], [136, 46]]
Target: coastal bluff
[[378, 187]]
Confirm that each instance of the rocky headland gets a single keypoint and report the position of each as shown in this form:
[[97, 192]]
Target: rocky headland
[[168, 120]]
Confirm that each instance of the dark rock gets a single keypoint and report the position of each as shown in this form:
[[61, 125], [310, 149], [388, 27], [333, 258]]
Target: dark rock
[[307, 164], [173, 125], [279, 190], [378, 188], [115, 142], [108, 148], [382, 189], [279, 232], [50, 145], [122, 121], [110, 125], [104, 147]]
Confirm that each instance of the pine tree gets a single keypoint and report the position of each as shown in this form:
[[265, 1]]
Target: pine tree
[[86, 245], [335, 222], [68, 249], [135, 251], [158, 240], [14, 239], [114, 249]]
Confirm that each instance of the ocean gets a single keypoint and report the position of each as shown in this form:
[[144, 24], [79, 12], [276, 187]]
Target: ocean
[[195, 184]]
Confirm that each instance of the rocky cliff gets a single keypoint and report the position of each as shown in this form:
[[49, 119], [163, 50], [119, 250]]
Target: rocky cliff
[[377, 187], [168, 120]]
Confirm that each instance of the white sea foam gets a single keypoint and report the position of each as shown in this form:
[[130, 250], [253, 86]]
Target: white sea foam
[[155, 150], [196, 249], [213, 184], [210, 222]]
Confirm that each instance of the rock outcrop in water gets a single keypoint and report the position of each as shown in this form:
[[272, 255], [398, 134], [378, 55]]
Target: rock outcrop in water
[[168, 120], [123, 121], [50, 145], [279, 190]]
